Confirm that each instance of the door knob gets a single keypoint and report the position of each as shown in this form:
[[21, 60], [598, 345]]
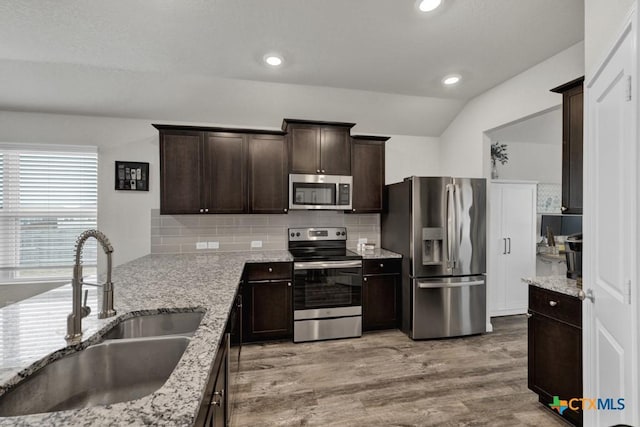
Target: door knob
[[587, 295]]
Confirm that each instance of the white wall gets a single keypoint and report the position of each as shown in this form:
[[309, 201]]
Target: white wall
[[603, 21], [411, 155], [124, 216], [464, 148], [533, 162]]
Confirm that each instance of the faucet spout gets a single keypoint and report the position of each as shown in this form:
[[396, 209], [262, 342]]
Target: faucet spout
[[74, 320]]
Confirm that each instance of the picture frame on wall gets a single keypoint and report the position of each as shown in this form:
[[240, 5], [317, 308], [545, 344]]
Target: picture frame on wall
[[132, 176]]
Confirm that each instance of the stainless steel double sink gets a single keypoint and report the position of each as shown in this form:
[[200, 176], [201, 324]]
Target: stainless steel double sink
[[136, 358]]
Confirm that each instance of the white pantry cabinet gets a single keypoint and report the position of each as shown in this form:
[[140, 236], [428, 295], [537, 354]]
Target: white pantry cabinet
[[512, 245]]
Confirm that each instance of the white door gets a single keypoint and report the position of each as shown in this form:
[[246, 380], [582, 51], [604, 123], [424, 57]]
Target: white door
[[610, 322]]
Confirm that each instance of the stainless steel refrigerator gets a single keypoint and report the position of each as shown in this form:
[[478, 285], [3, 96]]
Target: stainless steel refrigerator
[[438, 224]]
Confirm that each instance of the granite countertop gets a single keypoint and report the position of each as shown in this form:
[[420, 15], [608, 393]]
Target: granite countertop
[[377, 253], [151, 284], [556, 283]]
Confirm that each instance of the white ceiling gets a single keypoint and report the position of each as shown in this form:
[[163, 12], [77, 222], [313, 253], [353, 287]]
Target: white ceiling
[[371, 45]]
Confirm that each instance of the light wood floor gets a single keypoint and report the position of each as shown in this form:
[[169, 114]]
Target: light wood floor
[[384, 378]]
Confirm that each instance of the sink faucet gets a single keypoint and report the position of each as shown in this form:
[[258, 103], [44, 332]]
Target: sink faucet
[[74, 320]]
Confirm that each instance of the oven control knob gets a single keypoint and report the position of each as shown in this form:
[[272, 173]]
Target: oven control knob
[[298, 234], [293, 234], [337, 233], [343, 233]]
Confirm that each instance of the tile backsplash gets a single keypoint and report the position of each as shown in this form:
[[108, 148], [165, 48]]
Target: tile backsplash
[[182, 233]]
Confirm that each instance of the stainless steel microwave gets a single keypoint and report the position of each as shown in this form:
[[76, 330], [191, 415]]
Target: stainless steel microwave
[[330, 192]]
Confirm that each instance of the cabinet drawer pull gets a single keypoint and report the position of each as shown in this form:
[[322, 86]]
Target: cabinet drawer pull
[[201, 210], [529, 315], [270, 270], [381, 265], [553, 303]]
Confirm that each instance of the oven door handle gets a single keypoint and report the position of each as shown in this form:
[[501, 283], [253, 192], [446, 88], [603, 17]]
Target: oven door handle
[[321, 265]]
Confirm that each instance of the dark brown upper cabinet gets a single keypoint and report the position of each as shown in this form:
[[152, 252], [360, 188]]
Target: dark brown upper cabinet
[[367, 168], [205, 170], [572, 130], [268, 191], [225, 172], [317, 147], [181, 172]]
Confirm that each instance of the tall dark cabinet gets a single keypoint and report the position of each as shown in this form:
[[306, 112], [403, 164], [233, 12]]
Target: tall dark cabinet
[[572, 136], [367, 168], [317, 147]]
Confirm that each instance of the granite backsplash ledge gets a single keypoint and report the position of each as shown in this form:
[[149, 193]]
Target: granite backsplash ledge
[[181, 233]]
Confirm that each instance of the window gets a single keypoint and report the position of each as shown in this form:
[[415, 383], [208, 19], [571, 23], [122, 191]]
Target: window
[[48, 196]]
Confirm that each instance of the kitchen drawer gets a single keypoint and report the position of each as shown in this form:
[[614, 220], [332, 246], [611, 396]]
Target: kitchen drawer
[[556, 305], [267, 271], [382, 266]]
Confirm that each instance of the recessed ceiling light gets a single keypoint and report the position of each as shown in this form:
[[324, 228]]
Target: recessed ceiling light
[[428, 5], [451, 79], [273, 60]]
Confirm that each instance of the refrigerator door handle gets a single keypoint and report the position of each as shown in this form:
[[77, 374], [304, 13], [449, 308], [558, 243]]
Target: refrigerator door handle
[[427, 284], [450, 225]]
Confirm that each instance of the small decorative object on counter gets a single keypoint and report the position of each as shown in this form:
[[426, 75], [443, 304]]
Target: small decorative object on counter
[[498, 154]]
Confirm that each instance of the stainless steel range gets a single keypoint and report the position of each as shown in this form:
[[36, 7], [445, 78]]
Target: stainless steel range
[[327, 285]]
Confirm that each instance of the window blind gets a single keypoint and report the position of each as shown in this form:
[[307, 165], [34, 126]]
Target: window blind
[[47, 198]]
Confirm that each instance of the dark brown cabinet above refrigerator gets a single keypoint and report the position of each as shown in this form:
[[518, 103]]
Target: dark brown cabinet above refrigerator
[[572, 130], [317, 147], [367, 168]]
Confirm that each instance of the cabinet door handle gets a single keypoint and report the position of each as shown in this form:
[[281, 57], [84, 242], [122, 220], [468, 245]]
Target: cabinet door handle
[[509, 250], [553, 303], [322, 170], [201, 210], [364, 279], [563, 208], [354, 209], [317, 170], [504, 251], [285, 209], [289, 284], [529, 315], [270, 270], [206, 210], [216, 400]]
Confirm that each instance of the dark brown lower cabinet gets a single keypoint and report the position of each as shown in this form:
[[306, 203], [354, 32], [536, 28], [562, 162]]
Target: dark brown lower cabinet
[[555, 349], [215, 408], [267, 302], [381, 294]]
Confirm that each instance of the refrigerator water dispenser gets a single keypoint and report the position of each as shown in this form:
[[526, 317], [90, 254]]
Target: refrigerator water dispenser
[[432, 245]]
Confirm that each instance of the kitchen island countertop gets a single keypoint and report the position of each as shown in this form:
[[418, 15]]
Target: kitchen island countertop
[[556, 283], [151, 284]]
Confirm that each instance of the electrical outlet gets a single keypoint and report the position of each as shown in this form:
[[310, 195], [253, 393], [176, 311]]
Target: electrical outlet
[[256, 243], [362, 241], [213, 245], [201, 245]]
